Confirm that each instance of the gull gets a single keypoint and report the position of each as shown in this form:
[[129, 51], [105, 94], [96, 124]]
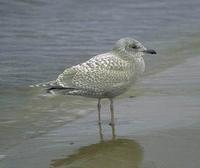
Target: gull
[[105, 75]]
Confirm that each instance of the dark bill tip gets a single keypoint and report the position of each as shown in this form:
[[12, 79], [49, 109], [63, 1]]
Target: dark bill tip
[[150, 51]]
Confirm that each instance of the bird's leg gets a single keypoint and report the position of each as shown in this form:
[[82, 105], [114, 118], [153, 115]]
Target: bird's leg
[[99, 119], [111, 112], [99, 111], [112, 123]]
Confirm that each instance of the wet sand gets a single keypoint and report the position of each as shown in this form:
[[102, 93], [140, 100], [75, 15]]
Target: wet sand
[[158, 129]]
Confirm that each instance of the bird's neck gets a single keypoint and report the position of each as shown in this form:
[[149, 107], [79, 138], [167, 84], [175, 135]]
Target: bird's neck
[[135, 59], [139, 64]]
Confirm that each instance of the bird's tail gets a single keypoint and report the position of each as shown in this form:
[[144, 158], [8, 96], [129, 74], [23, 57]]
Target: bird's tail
[[45, 84], [52, 86]]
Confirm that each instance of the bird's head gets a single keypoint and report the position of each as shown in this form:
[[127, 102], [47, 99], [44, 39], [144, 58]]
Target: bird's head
[[132, 47]]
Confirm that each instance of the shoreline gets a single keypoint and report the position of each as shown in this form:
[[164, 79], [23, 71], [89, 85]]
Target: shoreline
[[161, 124]]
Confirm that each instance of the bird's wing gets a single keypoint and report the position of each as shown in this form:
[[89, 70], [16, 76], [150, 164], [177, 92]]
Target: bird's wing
[[100, 73], [65, 79]]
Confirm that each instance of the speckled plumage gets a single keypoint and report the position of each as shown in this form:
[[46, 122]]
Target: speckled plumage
[[104, 76]]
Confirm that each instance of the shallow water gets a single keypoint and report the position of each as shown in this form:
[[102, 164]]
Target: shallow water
[[155, 130], [40, 38]]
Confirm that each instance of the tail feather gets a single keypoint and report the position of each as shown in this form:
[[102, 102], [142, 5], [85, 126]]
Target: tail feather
[[60, 88], [45, 84], [52, 86]]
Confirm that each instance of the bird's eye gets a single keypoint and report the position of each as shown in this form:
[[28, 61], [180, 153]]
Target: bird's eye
[[134, 46]]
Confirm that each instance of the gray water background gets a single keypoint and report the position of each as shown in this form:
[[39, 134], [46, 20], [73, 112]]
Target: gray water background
[[40, 38]]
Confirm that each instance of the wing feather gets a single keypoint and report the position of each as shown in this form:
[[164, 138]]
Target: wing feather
[[101, 73]]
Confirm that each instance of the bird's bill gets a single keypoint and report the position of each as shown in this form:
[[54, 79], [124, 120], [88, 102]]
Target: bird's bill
[[150, 51]]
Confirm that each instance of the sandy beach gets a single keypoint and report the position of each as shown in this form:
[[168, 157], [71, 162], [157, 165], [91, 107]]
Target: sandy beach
[[157, 129]]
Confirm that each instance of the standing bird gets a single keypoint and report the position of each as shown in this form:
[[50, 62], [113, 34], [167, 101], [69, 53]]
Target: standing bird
[[104, 76]]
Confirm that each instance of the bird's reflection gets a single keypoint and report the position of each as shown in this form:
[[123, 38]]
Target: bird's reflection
[[115, 153], [101, 131]]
